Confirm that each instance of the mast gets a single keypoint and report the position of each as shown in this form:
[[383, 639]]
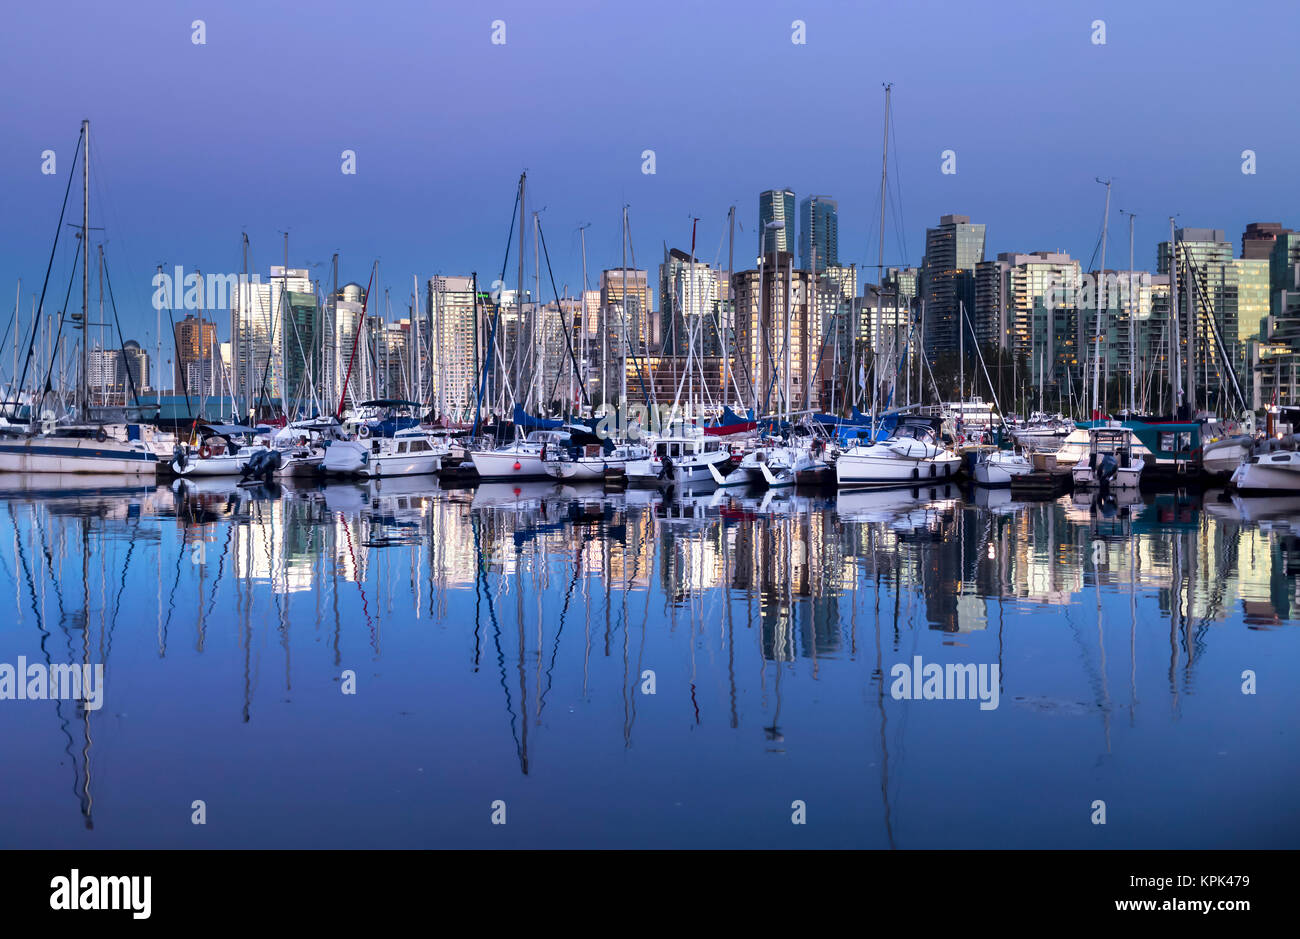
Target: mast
[[731, 301], [623, 370], [1132, 323], [582, 305], [1175, 370], [880, 271], [519, 296], [83, 390], [1100, 294]]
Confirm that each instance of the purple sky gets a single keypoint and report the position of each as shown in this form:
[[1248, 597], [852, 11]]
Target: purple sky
[[193, 144]]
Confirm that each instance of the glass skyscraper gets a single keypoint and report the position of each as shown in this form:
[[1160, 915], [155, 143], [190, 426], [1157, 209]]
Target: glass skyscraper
[[819, 228], [776, 205]]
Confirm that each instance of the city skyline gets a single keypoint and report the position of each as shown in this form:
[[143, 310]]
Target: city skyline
[[164, 199]]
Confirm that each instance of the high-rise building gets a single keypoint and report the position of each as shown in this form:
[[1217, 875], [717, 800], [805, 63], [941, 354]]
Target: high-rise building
[[258, 322], [456, 341], [778, 336], [1276, 357], [776, 221], [339, 363], [194, 370], [133, 367], [1207, 282], [819, 229], [1258, 239], [688, 306], [952, 251]]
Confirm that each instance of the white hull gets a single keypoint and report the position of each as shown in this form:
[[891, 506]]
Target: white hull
[[354, 458], [224, 465], [508, 464], [1260, 477], [583, 470], [402, 464], [1127, 477], [995, 474], [882, 471], [76, 455]]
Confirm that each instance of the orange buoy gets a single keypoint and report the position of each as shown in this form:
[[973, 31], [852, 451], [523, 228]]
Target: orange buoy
[[517, 466]]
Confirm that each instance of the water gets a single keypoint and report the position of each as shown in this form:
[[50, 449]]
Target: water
[[502, 639]]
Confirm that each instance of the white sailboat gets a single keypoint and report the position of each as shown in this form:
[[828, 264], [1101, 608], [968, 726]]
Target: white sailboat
[[82, 447]]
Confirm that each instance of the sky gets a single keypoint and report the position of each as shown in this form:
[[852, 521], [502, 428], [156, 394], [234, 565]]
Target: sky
[[193, 145]]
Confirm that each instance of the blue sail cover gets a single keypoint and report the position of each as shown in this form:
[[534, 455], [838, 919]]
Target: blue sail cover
[[862, 429], [525, 420]]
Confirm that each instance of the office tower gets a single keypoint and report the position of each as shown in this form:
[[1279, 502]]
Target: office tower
[[952, 251], [819, 229], [778, 337], [688, 306], [776, 221]]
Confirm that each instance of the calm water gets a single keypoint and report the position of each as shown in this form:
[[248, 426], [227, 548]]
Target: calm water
[[501, 639]]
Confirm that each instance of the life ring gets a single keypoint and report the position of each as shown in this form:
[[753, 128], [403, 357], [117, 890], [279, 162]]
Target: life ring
[[205, 451], [100, 435], [363, 431]]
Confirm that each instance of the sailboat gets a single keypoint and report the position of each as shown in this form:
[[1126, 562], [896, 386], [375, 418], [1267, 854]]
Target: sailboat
[[83, 446], [914, 452]]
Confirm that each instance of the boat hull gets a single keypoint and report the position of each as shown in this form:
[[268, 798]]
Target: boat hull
[[882, 472], [75, 455], [508, 464]]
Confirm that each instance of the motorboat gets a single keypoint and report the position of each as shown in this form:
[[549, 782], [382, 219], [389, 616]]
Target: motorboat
[[914, 455], [411, 451], [683, 456], [996, 468], [1112, 462]]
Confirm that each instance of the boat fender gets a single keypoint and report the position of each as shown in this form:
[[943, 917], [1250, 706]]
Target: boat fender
[[517, 465], [205, 451], [100, 435]]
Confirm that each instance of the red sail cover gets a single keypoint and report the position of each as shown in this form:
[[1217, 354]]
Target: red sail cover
[[726, 430]]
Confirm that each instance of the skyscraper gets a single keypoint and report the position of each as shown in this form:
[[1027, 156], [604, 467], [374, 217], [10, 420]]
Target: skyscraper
[[688, 305], [1258, 239], [776, 206], [196, 343], [951, 253], [819, 228]]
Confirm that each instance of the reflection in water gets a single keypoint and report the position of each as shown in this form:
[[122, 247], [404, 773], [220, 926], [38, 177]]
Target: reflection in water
[[661, 672]]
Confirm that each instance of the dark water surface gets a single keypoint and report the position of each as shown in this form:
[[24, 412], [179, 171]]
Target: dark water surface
[[502, 640]]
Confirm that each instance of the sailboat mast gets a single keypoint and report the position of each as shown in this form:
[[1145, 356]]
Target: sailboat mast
[[1132, 323], [582, 305], [83, 391], [729, 330], [1100, 298], [880, 270], [519, 296], [622, 387], [1175, 369]]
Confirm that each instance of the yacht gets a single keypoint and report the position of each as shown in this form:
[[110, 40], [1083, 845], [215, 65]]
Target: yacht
[[523, 459], [913, 455], [411, 451], [591, 462], [224, 451], [76, 449], [996, 468], [1269, 473], [683, 456]]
